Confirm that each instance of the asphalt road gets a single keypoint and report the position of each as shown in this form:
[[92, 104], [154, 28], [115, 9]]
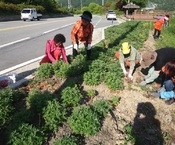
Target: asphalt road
[[24, 41]]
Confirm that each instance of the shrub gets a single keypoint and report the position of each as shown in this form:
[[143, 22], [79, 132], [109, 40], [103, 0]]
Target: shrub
[[61, 69], [37, 100], [26, 134], [78, 66], [92, 78], [20, 117], [84, 121], [102, 107], [67, 140], [113, 81], [6, 107], [71, 96], [45, 71], [53, 114]]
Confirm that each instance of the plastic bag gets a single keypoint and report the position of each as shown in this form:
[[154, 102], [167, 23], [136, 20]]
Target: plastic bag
[[6, 80]]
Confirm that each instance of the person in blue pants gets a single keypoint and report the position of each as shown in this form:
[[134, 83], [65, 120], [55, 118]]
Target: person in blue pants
[[167, 89]]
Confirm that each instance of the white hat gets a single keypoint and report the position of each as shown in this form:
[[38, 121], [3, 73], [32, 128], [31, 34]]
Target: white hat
[[166, 18]]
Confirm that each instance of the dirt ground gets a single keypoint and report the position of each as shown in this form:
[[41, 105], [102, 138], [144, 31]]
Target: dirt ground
[[151, 119]]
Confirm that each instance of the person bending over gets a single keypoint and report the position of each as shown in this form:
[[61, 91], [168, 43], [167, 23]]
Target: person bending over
[[128, 57], [55, 49], [82, 33]]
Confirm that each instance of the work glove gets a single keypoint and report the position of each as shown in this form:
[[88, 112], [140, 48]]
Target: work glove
[[75, 46], [143, 83], [130, 76], [125, 73], [88, 46]]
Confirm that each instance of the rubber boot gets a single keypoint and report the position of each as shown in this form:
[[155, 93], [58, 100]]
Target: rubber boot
[[75, 52], [88, 54]]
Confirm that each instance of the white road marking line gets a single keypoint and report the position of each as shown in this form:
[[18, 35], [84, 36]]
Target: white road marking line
[[1, 46]]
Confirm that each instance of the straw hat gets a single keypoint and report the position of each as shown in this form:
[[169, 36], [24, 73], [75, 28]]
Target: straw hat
[[148, 58]]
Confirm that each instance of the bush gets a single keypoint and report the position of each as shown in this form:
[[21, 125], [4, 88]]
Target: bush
[[102, 107], [45, 71], [54, 115], [71, 96], [37, 100], [61, 69], [84, 121], [6, 107], [26, 134], [67, 140]]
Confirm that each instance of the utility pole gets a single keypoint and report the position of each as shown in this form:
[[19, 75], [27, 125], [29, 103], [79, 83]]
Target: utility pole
[[102, 2], [81, 4], [69, 4]]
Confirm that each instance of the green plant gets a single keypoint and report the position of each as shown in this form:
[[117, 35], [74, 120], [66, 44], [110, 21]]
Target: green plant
[[92, 78], [78, 66], [18, 118], [91, 93], [102, 107], [63, 71], [67, 140], [6, 106], [54, 115], [71, 96], [37, 100], [26, 134], [115, 100], [84, 121], [113, 81], [44, 71], [128, 131]]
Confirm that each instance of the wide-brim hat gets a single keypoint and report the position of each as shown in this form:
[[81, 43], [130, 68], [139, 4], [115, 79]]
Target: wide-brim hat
[[125, 48], [148, 58], [86, 17]]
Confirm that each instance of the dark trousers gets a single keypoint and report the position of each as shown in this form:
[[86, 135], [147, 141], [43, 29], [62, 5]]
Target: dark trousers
[[156, 34], [88, 52]]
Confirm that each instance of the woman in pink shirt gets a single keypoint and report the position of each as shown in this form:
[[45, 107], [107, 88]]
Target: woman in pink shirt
[[54, 50]]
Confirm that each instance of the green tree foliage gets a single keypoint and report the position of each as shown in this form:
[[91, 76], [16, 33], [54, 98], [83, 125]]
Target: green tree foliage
[[49, 5], [164, 4], [141, 3]]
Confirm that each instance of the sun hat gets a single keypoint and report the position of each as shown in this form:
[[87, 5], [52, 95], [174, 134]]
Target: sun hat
[[166, 18], [148, 58], [125, 48], [86, 15]]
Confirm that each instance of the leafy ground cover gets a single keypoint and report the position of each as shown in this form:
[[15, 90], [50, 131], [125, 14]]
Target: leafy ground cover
[[88, 102]]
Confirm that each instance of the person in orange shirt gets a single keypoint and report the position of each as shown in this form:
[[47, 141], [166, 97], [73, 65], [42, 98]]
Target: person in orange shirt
[[82, 33], [158, 26]]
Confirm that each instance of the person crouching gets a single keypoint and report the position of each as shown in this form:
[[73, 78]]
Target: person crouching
[[128, 57]]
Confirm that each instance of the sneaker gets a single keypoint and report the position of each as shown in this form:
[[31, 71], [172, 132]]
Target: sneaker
[[155, 94], [170, 101]]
